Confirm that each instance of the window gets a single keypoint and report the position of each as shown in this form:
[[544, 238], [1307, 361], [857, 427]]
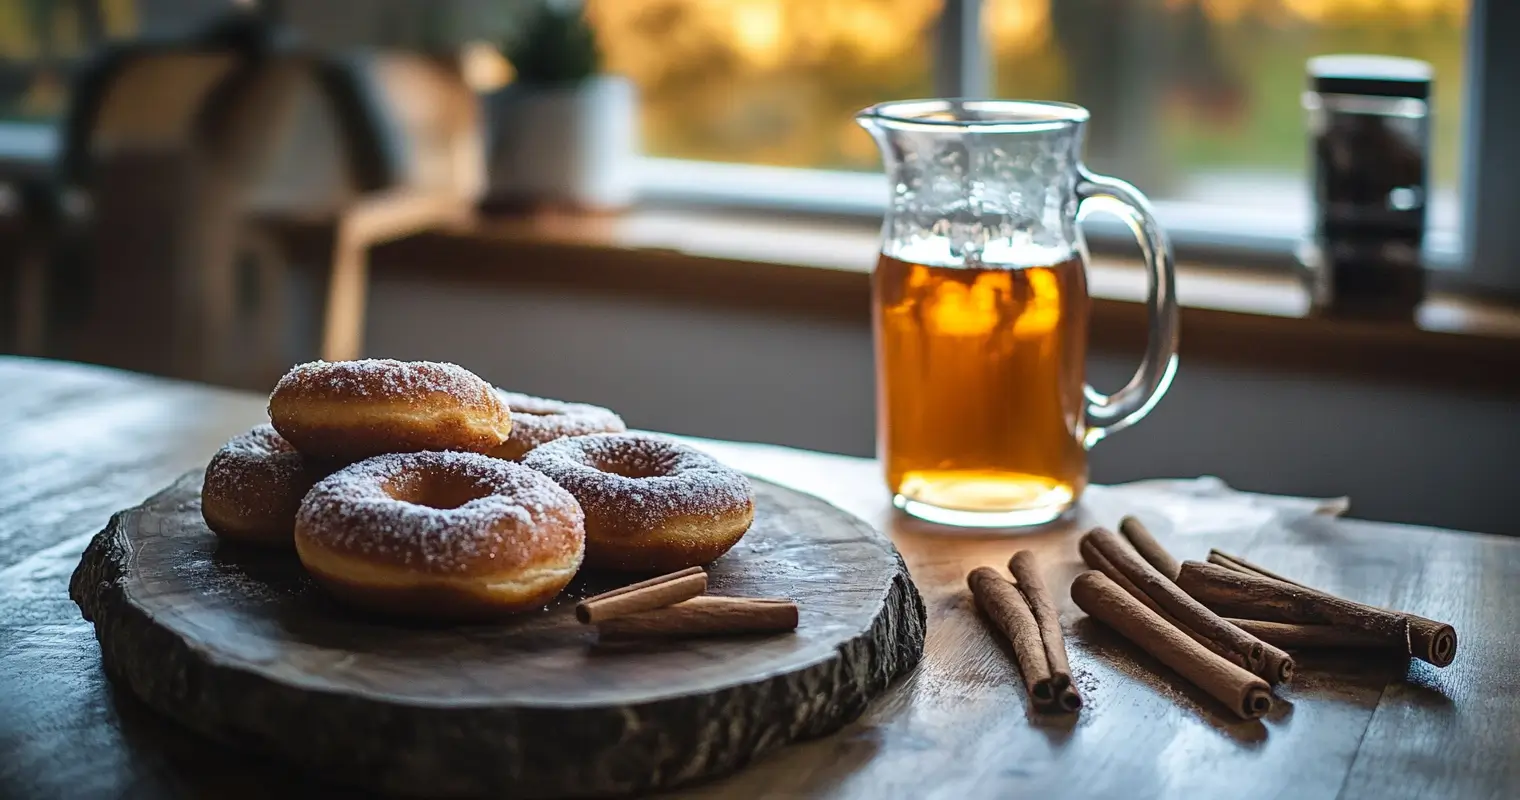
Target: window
[[750, 102], [773, 82], [1200, 98], [1195, 101], [41, 42]]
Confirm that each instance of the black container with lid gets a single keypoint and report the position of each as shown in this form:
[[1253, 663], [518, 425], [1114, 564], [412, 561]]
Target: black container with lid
[[1369, 125]]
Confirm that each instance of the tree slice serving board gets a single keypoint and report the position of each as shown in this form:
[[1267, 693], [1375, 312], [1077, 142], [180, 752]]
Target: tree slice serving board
[[241, 645]]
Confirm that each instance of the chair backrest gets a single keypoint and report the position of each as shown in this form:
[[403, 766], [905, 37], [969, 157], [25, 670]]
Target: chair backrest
[[157, 93], [177, 142]]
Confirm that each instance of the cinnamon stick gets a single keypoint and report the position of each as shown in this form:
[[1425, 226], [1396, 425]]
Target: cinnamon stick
[[1277, 665], [1297, 636], [1430, 641], [1239, 564], [666, 590], [1026, 578], [705, 615], [1244, 594], [1010, 612], [1231, 642], [1095, 560], [1148, 548], [1244, 693]]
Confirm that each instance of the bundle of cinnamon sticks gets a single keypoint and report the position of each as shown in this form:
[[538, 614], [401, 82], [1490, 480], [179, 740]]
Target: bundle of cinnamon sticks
[[674, 606], [1131, 589], [1291, 614], [1025, 613], [1224, 624]]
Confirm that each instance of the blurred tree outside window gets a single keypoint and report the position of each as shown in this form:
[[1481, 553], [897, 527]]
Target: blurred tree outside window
[[767, 81], [1194, 99]]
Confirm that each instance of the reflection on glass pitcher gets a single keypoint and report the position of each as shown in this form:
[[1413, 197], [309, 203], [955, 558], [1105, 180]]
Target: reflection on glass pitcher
[[981, 307]]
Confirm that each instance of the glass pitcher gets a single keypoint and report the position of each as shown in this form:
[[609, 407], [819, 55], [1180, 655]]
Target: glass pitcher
[[980, 310]]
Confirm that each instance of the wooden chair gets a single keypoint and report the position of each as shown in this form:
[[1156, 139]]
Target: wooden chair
[[196, 154]]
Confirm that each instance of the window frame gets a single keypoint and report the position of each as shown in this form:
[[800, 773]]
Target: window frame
[[1490, 173]]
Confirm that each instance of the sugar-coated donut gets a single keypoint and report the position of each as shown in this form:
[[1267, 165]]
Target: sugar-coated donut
[[440, 535], [538, 420], [344, 411], [652, 504], [253, 487]]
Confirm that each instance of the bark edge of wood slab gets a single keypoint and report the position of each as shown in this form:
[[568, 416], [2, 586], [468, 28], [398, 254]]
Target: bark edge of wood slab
[[243, 647]]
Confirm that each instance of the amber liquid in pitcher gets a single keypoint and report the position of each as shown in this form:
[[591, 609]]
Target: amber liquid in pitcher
[[980, 375]]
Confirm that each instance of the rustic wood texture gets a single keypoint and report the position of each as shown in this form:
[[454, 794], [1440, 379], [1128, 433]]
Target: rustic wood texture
[[243, 646], [78, 443]]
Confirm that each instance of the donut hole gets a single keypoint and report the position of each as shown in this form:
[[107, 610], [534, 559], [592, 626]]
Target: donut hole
[[631, 467], [438, 490]]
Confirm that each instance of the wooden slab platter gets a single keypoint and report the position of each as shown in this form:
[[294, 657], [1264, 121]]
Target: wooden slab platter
[[242, 646]]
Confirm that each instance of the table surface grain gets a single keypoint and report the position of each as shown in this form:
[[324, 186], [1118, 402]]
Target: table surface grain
[[78, 443]]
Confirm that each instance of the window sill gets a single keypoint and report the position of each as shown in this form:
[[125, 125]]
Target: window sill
[[819, 266], [1208, 223]]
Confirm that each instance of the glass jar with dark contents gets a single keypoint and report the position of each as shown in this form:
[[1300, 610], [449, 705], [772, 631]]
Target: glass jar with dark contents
[[1369, 125]]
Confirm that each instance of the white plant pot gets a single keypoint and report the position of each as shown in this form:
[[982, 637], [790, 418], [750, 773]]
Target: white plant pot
[[572, 145]]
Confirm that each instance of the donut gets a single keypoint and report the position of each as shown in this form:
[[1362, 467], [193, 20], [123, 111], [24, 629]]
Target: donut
[[344, 411], [253, 487], [537, 420], [652, 504], [440, 535]]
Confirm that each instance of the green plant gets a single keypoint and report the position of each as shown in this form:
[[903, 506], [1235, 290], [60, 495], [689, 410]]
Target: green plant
[[554, 45]]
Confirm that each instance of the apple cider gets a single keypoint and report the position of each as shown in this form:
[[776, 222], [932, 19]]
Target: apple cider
[[980, 386]]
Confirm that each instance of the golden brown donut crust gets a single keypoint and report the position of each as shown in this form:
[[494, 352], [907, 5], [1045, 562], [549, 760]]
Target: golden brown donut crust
[[440, 535], [344, 411], [539, 420], [652, 504], [253, 487]]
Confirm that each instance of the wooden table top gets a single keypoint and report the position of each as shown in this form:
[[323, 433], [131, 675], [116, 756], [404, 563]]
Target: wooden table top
[[77, 443]]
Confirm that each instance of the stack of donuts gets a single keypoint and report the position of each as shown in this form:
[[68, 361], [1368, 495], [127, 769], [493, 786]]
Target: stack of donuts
[[417, 488]]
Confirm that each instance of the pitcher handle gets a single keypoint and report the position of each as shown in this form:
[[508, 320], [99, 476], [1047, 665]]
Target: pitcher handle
[[1110, 413]]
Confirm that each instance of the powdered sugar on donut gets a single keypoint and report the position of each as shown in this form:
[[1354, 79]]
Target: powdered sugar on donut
[[259, 442], [345, 411], [381, 379], [517, 517], [258, 475], [538, 420], [642, 479]]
